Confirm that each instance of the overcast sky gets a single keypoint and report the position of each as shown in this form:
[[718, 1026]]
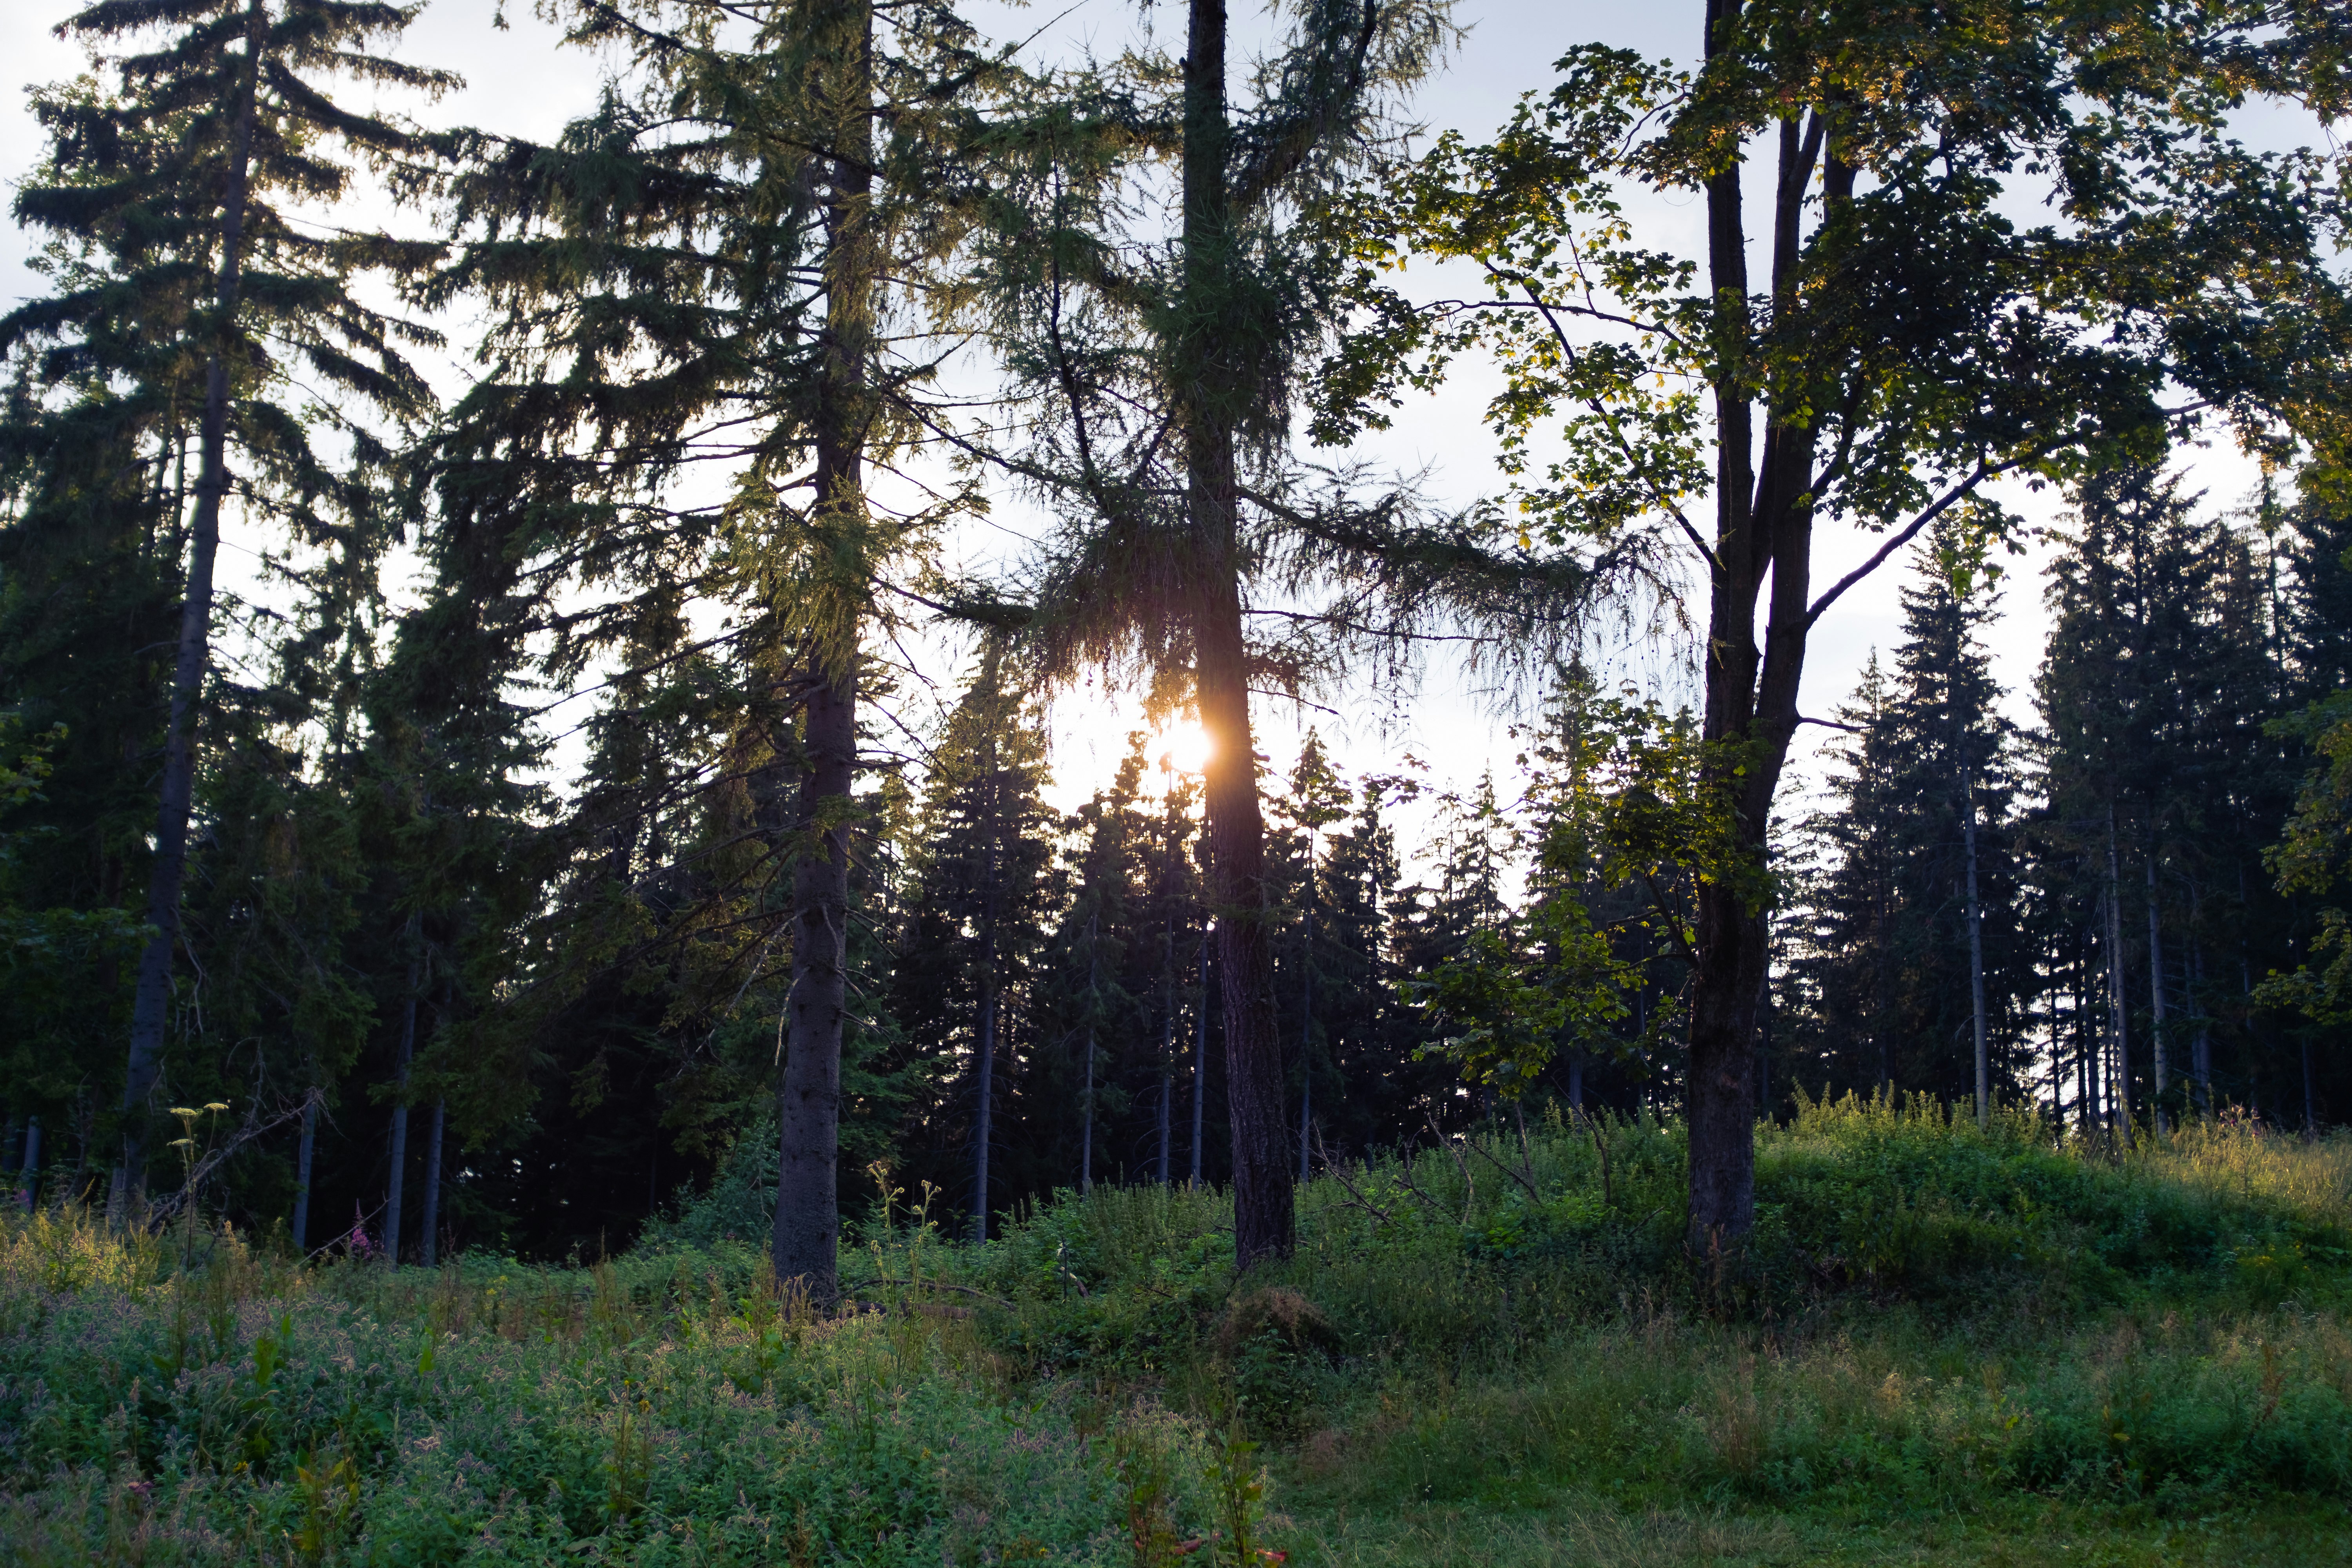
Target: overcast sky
[[521, 81]]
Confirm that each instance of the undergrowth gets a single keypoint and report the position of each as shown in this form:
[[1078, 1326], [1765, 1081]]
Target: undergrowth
[[1500, 1340]]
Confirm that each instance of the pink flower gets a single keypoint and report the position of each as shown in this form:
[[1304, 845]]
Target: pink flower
[[360, 1244]]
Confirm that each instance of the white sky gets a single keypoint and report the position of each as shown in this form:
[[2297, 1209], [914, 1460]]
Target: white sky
[[520, 81]]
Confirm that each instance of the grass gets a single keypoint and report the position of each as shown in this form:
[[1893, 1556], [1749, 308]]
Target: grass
[[1943, 1346]]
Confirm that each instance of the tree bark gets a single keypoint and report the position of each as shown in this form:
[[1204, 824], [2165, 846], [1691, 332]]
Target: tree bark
[[808, 1216], [1086, 1108], [2119, 1080], [395, 1185], [428, 1251], [1200, 1061], [1763, 527], [303, 1151], [2159, 1051], [807, 1239], [982, 1129], [1306, 1026], [991, 904], [1263, 1202], [152, 998], [2200, 1058], [29, 1174], [1167, 981], [1976, 957]]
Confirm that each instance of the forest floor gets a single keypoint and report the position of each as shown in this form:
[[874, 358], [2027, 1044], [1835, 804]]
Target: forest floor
[[1942, 1346]]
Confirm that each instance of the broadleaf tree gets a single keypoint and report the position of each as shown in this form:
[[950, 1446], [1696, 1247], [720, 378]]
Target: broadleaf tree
[[1870, 337]]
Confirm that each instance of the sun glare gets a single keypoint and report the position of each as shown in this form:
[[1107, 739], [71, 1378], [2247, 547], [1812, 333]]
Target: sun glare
[[1182, 746]]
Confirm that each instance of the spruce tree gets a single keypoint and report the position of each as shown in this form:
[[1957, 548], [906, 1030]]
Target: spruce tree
[[968, 934], [1910, 931], [194, 283]]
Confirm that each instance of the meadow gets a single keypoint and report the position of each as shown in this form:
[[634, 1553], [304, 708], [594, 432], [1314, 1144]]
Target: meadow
[[1942, 1345]]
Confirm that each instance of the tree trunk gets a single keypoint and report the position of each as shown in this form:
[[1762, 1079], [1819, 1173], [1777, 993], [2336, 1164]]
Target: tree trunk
[[1263, 1212], [2201, 1049], [1307, 1028], [2310, 1090], [428, 1251], [1168, 1096], [808, 1214], [152, 998], [2159, 1051], [1167, 992], [806, 1240], [29, 1174], [303, 1151], [1200, 1061], [395, 1185], [1763, 527], [982, 1131], [1976, 958], [2119, 1078], [1087, 1117]]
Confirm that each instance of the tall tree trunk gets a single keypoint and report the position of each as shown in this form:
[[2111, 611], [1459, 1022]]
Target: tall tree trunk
[[1200, 1061], [1168, 1096], [2160, 1050], [303, 1151], [1307, 1028], [29, 1174], [396, 1186], [1976, 957], [1167, 987], [428, 1250], [806, 1241], [2119, 1082], [982, 1131], [152, 998], [2201, 1049], [1086, 1120], [1263, 1211], [1720, 1106], [1763, 527]]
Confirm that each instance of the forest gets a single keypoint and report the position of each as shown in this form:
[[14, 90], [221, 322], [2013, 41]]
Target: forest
[[526, 753]]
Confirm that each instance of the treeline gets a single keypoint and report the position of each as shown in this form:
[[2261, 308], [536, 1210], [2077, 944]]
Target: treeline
[[602, 853], [2103, 888]]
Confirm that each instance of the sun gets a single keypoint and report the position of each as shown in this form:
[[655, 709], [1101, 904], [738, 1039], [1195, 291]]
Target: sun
[[1182, 746]]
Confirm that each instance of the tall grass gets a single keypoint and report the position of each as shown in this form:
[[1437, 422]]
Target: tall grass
[[1931, 1322], [653, 1409], [1929, 1315]]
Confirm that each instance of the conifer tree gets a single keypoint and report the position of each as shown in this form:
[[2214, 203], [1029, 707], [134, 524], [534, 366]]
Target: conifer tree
[[193, 280], [718, 285], [1911, 936], [978, 897], [1156, 366]]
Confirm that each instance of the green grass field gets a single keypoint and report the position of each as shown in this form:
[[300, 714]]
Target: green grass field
[[1941, 1347]]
